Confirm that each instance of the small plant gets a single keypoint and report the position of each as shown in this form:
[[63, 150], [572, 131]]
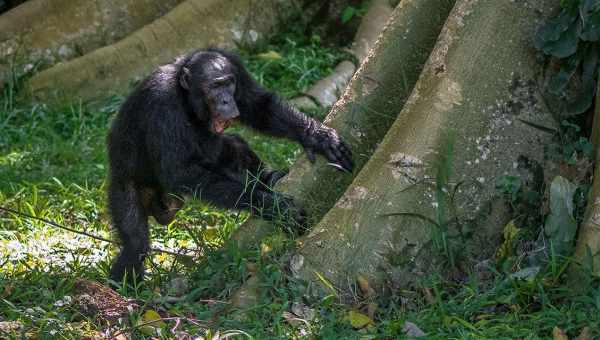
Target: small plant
[[573, 40], [351, 12]]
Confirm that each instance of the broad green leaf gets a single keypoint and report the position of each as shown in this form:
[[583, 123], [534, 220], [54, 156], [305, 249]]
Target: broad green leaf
[[150, 322], [558, 83], [560, 226], [584, 98], [590, 17], [559, 37], [271, 55], [553, 29], [152, 315], [348, 14]]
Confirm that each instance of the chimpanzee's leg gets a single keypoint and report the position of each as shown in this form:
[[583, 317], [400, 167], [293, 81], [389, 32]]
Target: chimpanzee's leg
[[130, 219], [160, 205]]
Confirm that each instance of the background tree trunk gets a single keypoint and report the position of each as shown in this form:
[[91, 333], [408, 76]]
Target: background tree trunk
[[192, 24], [369, 105], [327, 90], [587, 252], [50, 31], [464, 117]]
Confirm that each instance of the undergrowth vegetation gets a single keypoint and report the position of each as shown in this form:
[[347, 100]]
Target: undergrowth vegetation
[[53, 166]]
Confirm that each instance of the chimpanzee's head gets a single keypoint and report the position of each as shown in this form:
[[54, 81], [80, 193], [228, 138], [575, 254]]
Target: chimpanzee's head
[[210, 81]]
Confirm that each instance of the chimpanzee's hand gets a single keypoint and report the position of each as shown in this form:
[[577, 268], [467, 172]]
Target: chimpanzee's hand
[[271, 177], [283, 209], [326, 141]]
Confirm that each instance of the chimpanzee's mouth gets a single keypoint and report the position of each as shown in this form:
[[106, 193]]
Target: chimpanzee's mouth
[[219, 125]]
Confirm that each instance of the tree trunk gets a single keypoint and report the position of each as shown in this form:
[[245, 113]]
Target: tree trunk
[[50, 31], [587, 252], [326, 91], [364, 113], [461, 130], [192, 24]]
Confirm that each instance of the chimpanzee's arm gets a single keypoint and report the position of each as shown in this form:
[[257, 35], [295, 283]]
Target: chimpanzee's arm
[[226, 193], [174, 151], [265, 111]]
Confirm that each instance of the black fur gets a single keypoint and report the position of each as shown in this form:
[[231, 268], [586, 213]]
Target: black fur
[[163, 146]]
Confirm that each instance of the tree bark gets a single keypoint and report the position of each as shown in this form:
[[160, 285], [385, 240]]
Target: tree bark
[[326, 91], [365, 111], [51, 31], [478, 86], [587, 252], [192, 24]]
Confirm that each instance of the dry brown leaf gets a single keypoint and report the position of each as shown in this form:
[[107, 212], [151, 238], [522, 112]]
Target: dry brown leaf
[[365, 287], [559, 334]]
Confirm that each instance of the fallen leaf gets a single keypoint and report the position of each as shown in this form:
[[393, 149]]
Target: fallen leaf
[[559, 334], [412, 330], [150, 322], [265, 249], [365, 287], [303, 311], [428, 296], [271, 55], [358, 320], [8, 289], [10, 326], [291, 318], [527, 274]]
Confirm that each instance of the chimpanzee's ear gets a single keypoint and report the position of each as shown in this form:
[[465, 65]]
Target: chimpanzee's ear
[[184, 79]]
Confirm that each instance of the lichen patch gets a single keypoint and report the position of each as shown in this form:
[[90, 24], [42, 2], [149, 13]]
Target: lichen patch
[[405, 166], [449, 96], [356, 194]]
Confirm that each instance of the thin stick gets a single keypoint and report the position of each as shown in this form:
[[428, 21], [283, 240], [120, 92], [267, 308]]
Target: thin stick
[[176, 318], [96, 237]]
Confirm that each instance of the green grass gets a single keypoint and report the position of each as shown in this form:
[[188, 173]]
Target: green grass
[[53, 165]]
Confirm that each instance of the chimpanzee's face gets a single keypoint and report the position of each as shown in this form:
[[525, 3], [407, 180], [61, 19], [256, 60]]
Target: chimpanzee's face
[[210, 82], [218, 87]]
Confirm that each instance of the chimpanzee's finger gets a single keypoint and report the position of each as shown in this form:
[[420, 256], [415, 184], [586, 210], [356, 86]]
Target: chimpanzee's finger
[[347, 155], [330, 155], [334, 161], [347, 164], [310, 154], [345, 148], [344, 158], [337, 152]]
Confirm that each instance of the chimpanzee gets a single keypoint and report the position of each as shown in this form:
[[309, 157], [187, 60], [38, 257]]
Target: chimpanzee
[[168, 142]]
